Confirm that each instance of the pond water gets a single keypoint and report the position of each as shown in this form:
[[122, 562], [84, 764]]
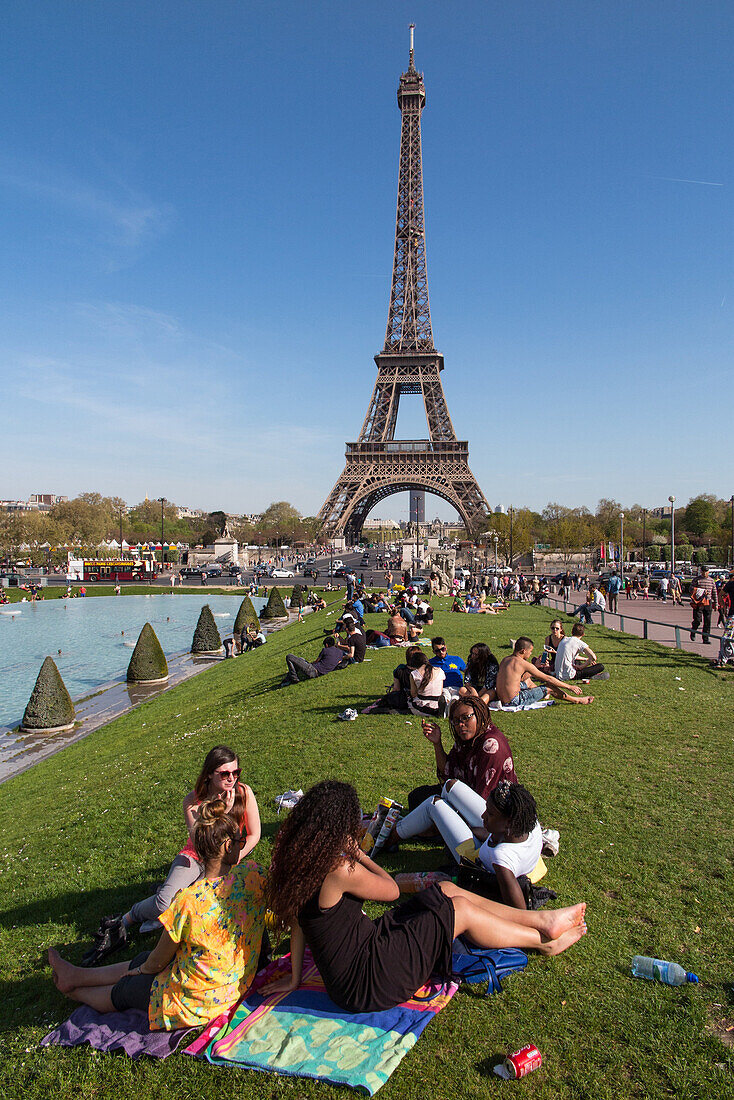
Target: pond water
[[96, 637]]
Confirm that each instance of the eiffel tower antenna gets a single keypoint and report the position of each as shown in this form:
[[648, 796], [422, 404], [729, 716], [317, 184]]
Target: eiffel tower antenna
[[378, 465]]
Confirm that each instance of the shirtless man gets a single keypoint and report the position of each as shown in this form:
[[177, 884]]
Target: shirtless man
[[516, 675]]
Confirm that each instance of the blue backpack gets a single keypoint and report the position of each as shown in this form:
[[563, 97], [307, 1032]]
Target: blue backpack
[[482, 964]]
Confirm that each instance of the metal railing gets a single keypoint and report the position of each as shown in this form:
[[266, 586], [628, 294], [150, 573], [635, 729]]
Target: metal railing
[[646, 623]]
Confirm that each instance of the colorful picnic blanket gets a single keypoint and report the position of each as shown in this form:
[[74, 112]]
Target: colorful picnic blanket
[[304, 1034]]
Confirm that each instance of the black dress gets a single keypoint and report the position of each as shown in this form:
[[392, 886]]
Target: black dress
[[369, 965]]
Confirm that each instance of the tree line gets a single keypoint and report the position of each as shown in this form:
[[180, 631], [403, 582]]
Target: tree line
[[703, 528]]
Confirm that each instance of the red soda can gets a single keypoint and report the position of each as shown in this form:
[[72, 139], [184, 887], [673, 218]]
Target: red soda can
[[523, 1061]]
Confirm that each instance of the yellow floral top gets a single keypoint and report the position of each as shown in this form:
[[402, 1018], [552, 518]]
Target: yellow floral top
[[218, 924]]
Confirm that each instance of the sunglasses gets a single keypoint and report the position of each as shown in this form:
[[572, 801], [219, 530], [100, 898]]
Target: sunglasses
[[440, 648], [461, 718], [234, 774]]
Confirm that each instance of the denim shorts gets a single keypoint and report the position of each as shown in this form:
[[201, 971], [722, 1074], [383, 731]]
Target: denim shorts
[[528, 695]]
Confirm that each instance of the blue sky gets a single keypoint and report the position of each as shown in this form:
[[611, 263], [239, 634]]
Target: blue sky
[[197, 205]]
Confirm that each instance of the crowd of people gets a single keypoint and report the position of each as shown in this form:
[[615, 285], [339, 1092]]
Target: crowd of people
[[211, 908]]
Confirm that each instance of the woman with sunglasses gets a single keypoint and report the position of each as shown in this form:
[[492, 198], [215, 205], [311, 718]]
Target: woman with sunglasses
[[480, 757], [218, 778]]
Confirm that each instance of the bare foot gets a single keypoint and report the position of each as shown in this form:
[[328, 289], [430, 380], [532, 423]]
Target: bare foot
[[564, 941], [63, 972], [580, 699], [560, 920]]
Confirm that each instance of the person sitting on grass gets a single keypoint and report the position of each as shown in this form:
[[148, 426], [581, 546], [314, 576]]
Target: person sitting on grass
[[575, 658], [515, 680], [480, 756], [426, 685], [331, 657], [397, 699], [355, 642], [452, 666], [480, 677], [376, 639], [219, 778], [504, 831], [318, 603], [397, 628], [319, 880], [550, 646], [208, 952], [252, 637], [414, 631]]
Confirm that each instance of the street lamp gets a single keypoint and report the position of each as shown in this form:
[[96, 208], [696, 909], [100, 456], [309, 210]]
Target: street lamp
[[644, 559], [162, 501], [621, 549], [496, 540], [511, 538], [672, 536], [732, 531], [120, 518]]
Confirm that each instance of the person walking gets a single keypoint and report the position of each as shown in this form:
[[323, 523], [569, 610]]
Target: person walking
[[704, 600]]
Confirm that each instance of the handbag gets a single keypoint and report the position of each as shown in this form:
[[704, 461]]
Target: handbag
[[483, 964]]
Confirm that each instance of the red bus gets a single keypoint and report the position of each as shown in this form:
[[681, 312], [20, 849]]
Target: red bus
[[132, 569]]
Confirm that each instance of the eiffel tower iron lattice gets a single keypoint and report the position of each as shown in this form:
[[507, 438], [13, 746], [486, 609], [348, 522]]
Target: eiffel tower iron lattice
[[379, 465]]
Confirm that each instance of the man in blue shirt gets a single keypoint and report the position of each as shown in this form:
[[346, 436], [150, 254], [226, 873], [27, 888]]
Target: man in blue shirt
[[453, 667], [614, 584]]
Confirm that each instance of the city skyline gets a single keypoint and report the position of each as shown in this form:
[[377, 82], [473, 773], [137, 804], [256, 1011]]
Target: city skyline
[[181, 232]]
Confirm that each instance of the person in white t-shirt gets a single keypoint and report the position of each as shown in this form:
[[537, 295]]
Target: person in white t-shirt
[[575, 658]]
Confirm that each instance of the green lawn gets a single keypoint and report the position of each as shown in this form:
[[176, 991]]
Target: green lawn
[[639, 785]]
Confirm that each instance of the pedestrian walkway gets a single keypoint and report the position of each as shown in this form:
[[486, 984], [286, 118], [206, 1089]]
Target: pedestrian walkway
[[662, 620]]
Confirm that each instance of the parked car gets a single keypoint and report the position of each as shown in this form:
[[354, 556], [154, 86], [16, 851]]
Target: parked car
[[234, 570], [340, 572], [338, 563], [280, 573], [309, 572], [190, 571], [213, 570]]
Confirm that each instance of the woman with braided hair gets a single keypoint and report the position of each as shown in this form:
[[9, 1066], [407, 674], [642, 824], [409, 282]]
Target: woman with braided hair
[[208, 952], [319, 881]]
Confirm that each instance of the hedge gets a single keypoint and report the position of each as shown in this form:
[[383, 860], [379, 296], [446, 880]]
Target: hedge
[[50, 704], [206, 635], [148, 661]]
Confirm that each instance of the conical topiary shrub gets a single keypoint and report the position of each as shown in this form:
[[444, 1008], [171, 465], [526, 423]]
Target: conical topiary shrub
[[274, 608], [50, 706], [297, 597], [148, 664], [206, 635], [246, 616]]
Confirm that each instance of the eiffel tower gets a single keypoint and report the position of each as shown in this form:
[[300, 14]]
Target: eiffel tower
[[379, 465]]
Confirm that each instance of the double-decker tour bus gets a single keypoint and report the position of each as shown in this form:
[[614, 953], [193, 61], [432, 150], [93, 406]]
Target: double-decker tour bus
[[123, 569]]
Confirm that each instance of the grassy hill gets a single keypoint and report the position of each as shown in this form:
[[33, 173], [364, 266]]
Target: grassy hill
[[639, 785]]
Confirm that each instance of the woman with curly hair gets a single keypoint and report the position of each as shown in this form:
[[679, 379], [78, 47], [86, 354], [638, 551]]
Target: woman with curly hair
[[319, 879]]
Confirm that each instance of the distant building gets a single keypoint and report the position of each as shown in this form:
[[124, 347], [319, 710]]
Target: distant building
[[190, 513], [37, 502]]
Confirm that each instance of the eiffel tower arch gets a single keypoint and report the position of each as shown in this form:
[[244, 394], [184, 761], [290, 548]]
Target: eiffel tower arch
[[378, 465]]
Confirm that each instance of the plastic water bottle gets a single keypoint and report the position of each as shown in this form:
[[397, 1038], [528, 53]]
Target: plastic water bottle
[[657, 969]]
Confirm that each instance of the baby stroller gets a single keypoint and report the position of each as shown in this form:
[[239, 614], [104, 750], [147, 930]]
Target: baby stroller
[[726, 646]]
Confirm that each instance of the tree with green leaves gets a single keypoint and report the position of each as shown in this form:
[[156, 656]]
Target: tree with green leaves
[[148, 663], [206, 635], [699, 518], [50, 705]]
